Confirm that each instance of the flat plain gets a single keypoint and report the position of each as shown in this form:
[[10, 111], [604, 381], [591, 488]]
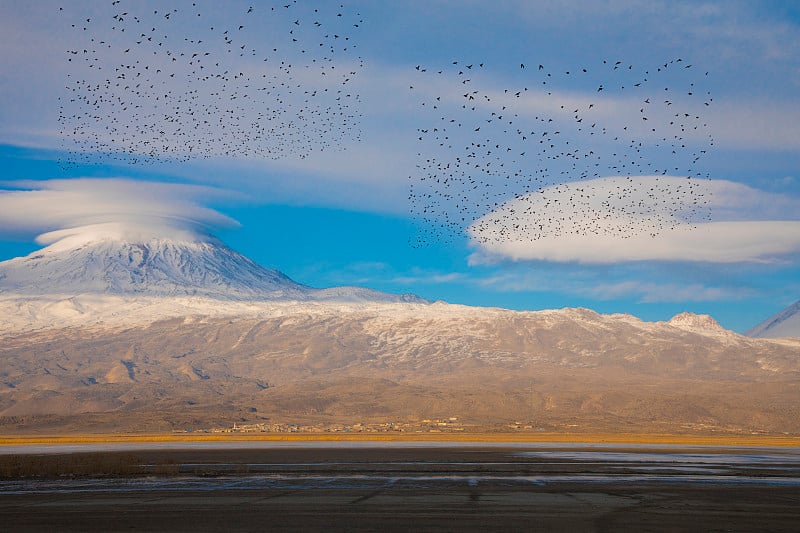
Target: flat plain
[[362, 485]]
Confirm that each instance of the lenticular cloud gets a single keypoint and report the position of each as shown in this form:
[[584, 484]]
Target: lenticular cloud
[[600, 221], [86, 208]]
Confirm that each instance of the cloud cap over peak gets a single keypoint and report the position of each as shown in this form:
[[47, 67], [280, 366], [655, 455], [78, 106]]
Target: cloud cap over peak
[[88, 208]]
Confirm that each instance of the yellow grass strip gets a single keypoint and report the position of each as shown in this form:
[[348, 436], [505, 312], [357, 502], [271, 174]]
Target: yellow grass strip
[[510, 438]]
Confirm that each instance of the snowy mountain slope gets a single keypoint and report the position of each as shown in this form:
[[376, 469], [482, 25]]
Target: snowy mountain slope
[[158, 267], [362, 295], [332, 361], [110, 264], [784, 324]]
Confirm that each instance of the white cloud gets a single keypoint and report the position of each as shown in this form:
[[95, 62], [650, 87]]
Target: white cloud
[[650, 292], [642, 218], [755, 112], [592, 284], [772, 125], [418, 278], [80, 208], [714, 29]]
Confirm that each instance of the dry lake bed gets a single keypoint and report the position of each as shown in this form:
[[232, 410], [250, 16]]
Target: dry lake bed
[[397, 486]]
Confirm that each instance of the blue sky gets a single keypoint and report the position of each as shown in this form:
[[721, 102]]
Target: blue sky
[[342, 215]]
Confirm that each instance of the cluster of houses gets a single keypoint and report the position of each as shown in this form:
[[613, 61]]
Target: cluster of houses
[[439, 425]]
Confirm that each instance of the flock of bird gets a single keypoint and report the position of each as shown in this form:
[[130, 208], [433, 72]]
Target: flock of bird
[[152, 83], [618, 207], [485, 148], [149, 82]]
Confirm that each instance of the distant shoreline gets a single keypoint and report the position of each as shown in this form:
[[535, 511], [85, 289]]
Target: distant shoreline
[[416, 438]]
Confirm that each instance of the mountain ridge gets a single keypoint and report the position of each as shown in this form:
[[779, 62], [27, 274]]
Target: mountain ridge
[[785, 323], [132, 334], [323, 361]]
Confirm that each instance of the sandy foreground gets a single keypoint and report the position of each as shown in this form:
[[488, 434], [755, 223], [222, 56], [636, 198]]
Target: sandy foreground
[[362, 485]]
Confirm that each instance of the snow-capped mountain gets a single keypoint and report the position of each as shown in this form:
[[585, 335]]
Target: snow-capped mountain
[[784, 324], [134, 331], [115, 264]]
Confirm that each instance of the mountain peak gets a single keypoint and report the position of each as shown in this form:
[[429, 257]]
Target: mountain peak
[[155, 266], [114, 260], [695, 321]]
